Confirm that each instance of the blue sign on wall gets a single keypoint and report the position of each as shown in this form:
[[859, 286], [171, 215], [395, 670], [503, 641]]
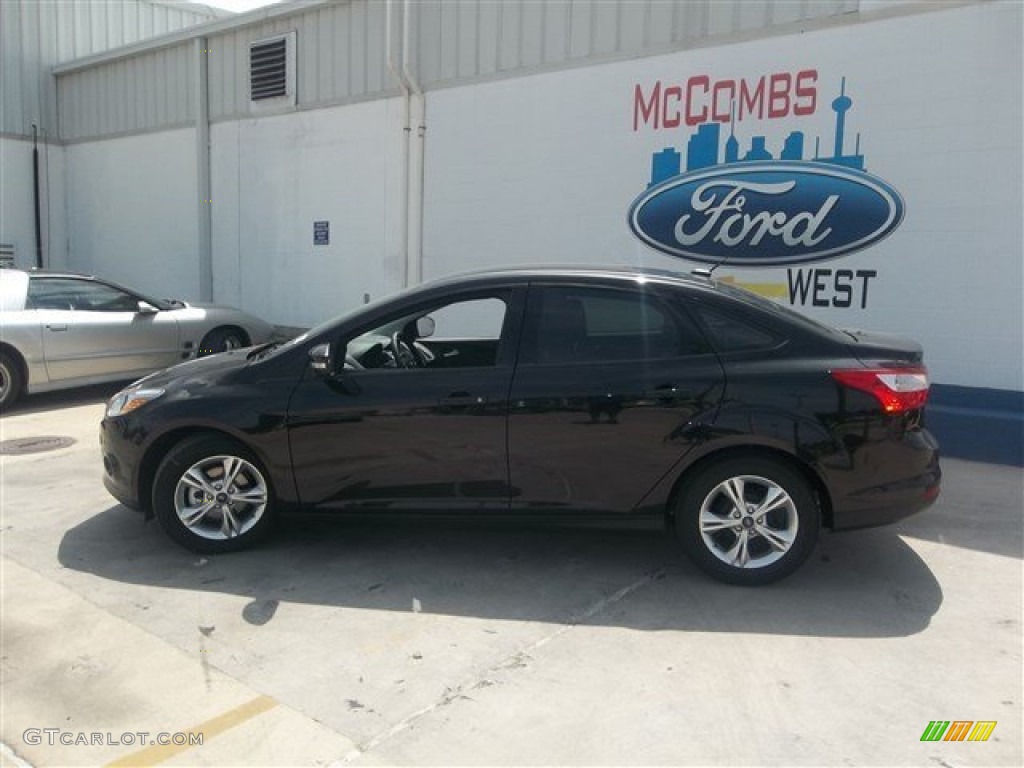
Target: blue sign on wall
[[321, 233], [756, 209]]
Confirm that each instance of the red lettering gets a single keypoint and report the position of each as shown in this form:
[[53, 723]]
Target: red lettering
[[700, 99], [691, 84], [646, 110], [671, 122], [778, 94], [721, 109], [751, 103], [806, 94]]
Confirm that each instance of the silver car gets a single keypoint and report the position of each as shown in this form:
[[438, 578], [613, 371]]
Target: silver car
[[60, 330]]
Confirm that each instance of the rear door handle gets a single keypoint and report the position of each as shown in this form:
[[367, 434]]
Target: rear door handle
[[461, 400], [663, 390], [56, 327]]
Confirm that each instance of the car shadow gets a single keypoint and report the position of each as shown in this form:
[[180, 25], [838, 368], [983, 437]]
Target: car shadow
[[861, 584]]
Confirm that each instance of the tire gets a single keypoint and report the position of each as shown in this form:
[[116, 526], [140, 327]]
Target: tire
[[222, 340], [248, 500], [12, 381], [717, 536]]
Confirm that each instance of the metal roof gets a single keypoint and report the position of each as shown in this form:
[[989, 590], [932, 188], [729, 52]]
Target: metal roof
[[236, 21]]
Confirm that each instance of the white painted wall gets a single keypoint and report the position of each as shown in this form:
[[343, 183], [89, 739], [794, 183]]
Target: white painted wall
[[273, 177], [132, 211], [544, 168], [17, 216]]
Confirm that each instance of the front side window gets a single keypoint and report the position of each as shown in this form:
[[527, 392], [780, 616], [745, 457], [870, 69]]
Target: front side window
[[570, 324], [87, 295], [458, 334]]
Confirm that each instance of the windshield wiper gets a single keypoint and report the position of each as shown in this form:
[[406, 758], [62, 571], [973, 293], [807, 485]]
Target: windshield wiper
[[258, 352]]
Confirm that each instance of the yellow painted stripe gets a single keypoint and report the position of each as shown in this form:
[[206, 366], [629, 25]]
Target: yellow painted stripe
[[158, 753], [768, 290]]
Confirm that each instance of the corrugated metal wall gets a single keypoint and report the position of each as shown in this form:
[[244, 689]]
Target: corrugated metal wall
[[341, 51], [340, 57], [150, 91], [473, 38], [37, 34]]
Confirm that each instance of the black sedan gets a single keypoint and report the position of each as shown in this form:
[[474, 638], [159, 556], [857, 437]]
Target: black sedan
[[620, 394]]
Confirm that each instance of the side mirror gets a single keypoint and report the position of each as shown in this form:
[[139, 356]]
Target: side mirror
[[320, 359], [145, 308], [425, 327]]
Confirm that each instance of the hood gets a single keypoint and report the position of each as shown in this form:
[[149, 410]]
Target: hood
[[206, 370]]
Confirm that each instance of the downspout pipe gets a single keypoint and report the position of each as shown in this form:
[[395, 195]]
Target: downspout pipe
[[403, 85], [204, 211], [414, 263], [35, 196]]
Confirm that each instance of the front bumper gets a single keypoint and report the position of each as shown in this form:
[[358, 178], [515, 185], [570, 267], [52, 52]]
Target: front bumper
[[121, 458]]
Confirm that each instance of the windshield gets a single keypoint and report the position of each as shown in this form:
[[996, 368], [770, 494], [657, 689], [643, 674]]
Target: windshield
[[325, 326]]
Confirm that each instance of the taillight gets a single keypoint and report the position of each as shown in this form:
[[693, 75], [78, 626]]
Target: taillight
[[896, 389]]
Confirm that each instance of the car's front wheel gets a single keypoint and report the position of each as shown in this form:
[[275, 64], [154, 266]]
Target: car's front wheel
[[211, 495], [747, 520]]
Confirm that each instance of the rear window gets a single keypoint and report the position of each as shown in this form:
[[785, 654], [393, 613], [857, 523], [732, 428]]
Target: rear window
[[778, 310], [729, 333]]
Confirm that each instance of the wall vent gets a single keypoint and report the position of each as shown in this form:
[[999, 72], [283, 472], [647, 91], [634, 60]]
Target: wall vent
[[6, 255], [272, 71]]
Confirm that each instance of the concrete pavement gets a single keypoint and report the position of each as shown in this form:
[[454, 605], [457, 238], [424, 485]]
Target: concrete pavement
[[379, 643]]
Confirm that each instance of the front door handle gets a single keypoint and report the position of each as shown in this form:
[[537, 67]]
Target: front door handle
[[56, 327]]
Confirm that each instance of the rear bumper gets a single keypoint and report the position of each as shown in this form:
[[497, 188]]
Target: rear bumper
[[907, 477]]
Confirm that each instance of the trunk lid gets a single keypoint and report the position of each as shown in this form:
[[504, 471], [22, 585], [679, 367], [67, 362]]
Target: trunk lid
[[873, 348]]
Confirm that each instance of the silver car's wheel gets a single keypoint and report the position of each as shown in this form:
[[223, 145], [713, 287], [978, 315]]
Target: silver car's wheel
[[747, 519], [211, 495], [222, 340], [10, 380], [220, 497]]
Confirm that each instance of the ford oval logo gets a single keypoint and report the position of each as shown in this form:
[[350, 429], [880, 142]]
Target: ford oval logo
[[766, 213]]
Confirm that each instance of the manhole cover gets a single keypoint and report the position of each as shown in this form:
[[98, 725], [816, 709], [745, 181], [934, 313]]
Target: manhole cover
[[34, 444]]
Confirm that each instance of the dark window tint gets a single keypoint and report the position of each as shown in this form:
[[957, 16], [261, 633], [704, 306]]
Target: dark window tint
[[729, 333], [576, 324], [69, 293]]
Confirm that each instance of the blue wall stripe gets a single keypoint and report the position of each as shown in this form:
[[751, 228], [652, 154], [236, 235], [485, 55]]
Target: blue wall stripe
[[978, 424]]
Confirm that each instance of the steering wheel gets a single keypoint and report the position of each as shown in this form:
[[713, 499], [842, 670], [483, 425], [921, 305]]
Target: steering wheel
[[403, 352]]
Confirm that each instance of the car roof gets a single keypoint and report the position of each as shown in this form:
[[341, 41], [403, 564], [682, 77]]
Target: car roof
[[52, 273], [574, 271]]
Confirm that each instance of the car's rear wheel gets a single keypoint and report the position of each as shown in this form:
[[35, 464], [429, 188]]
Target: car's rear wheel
[[11, 382], [222, 340], [210, 494], [748, 520]]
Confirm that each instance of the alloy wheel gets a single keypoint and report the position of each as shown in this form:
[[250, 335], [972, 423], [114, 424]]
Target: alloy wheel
[[747, 521], [220, 497]]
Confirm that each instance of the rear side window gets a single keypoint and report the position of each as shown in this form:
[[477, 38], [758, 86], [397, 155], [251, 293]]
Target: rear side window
[[570, 324], [729, 333]]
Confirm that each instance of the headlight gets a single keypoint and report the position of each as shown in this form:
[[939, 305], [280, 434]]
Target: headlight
[[127, 400]]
